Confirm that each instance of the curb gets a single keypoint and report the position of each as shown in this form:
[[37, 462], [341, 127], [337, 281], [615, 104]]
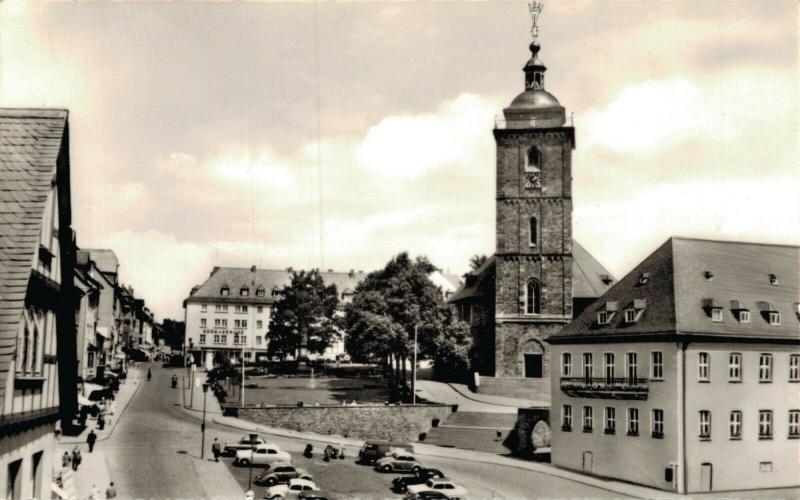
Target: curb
[[117, 418]]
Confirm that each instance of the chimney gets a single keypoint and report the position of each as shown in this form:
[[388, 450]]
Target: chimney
[[214, 270], [351, 273], [253, 269]]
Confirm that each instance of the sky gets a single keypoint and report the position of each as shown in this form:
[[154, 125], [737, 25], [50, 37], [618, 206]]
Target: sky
[[336, 135]]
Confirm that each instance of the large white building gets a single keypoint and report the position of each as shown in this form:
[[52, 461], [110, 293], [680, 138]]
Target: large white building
[[229, 313]]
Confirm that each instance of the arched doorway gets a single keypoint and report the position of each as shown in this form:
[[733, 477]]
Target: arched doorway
[[533, 359]]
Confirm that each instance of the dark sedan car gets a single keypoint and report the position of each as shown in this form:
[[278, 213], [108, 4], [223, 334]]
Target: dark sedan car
[[315, 495], [400, 484]]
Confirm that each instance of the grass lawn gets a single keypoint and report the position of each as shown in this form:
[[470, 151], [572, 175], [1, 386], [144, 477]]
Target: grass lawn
[[322, 391]]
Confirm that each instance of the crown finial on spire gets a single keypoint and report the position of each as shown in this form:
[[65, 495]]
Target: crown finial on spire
[[535, 9]]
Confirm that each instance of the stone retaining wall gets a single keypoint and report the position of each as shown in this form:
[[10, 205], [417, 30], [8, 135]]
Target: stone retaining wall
[[403, 423]]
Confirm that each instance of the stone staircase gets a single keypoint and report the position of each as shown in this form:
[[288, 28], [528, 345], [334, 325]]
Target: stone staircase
[[474, 431]]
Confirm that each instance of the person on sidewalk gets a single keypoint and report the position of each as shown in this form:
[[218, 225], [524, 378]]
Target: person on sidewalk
[[76, 458], [65, 460], [111, 492], [91, 439], [94, 494], [216, 449], [149, 374]]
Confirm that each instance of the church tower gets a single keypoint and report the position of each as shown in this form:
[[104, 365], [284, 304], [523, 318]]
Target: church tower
[[533, 281]]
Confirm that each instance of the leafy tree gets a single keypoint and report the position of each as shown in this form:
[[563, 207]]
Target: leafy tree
[[303, 316], [386, 308]]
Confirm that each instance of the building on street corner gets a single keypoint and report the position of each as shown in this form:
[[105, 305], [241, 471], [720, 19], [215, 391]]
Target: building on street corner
[[229, 313], [685, 375], [37, 318]]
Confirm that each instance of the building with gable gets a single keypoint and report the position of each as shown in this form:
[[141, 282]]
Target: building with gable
[[685, 375], [37, 320]]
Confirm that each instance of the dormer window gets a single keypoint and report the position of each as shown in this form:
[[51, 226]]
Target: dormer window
[[708, 275], [244, 291], [714, 309], [774, 318], [260, 292], [276, 291], [225, 291], [716, 315], [744, 316], [606, 314], [773, 279], [643, 279], [630, 315]]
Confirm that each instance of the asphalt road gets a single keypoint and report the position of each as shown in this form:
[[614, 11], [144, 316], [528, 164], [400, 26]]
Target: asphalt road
[[152, 452]]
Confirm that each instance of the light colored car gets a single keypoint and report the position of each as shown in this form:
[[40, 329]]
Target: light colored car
[[264, 454], [230, 449], [281, 472], [398, 461], [290, 490], [438, 485]]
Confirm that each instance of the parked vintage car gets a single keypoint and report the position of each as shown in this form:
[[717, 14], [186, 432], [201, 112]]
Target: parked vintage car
[[264, 454], [374, 450], [426, 495], [439, 485], [398, 461], [230, 449], [290, 490], [315, 495], [401, 484], [281, 472]]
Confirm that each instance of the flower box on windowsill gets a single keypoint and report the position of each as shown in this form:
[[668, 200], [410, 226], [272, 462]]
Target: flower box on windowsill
[[657, 435], [704, 437], [633, 433], [587, 429], [566, 428], [609, 431], [28, 382]]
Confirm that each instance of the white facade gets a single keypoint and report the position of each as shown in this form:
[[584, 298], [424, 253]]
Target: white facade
[[227, 328]]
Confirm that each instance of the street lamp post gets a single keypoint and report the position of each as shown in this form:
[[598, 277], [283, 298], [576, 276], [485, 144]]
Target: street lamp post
[[414, 370], [203, 425], [253, 438]]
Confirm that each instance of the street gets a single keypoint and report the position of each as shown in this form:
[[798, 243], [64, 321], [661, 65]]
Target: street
[[154, 450]]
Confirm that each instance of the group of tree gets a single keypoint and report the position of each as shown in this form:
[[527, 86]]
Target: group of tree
[[387, 307]]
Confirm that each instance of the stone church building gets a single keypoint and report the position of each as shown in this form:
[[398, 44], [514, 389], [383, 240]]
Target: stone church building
[[539, 277]]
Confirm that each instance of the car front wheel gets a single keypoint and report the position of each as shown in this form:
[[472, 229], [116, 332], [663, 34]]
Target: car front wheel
[[272, 481], [244, 462], [386, 468], [416, 469]]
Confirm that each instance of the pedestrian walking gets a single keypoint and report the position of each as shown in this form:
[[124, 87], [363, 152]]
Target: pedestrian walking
[[65, 460], [111, 491], [91, 439], [149, 374], [94, 494], [216, 449], [76, 458], [101, 421]]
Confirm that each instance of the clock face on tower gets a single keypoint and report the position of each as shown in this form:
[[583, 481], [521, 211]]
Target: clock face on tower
[[533, 180]]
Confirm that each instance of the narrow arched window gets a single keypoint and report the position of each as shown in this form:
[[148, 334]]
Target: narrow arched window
[[534, 160], [534, 231], [533, 299]]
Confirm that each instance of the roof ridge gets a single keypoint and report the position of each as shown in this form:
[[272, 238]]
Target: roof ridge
[[34, 112], [735, 242]]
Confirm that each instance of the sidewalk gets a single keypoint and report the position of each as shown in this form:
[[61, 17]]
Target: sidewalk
[[93, 469], [498, 400]]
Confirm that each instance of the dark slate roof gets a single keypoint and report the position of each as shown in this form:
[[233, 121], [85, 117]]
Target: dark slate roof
[[237, 277], [686, 277], [587, 277], [105, 260], [30, 142]]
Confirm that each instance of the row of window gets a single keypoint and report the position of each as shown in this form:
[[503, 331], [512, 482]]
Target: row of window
[[765, 366], [765, 422], [743, 315], [237, 323], [245, 291], [610, 420], [223, 308], [609, 365], [223, 339]]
